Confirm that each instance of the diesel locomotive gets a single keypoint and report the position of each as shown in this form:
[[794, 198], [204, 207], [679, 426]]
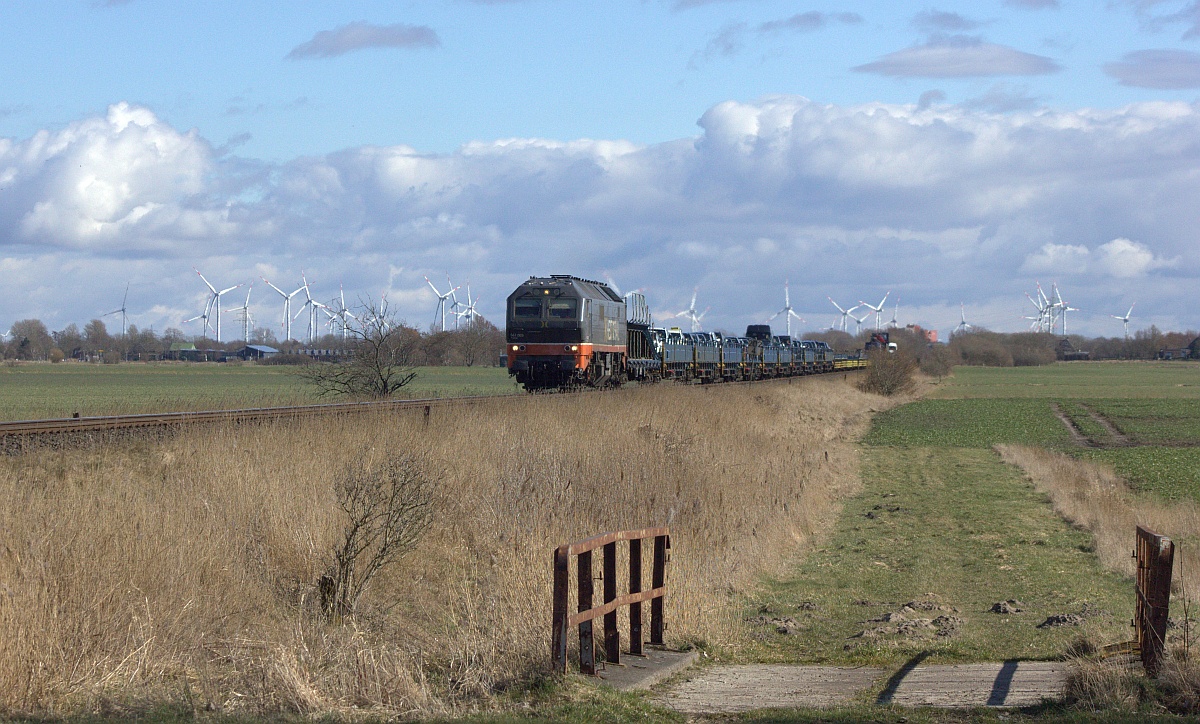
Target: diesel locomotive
[[564, 332]]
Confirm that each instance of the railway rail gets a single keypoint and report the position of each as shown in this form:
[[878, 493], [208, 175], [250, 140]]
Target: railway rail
[[168, 419], [104, 423]]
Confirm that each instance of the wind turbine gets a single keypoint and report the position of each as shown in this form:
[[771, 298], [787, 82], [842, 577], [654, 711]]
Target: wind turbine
[[1063, 308], [1125, 319], [312, 306], [895, 313], [215, 299], [468, 312], [203, 317], [787, 310], [441, 305], [121, 310], [845, 312], [247, 318], [287, 308], [858, 321], [962, 326], [878, 309], [691, 314], [340, 313]]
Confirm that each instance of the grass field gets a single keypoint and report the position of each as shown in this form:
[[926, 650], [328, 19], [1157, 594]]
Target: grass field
[[41, 390], [1153, 404]]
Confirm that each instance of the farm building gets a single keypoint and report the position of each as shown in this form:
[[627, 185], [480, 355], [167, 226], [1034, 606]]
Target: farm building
[[257, 352]]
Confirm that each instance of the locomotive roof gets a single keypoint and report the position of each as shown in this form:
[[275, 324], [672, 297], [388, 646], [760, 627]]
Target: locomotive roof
[[586, 287]]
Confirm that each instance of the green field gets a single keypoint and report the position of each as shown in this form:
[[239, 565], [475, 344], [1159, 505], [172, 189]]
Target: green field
[[1155, 406], [42, 390]]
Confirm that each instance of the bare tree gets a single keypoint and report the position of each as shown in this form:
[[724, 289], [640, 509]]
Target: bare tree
[[388, 505], [378, 358]]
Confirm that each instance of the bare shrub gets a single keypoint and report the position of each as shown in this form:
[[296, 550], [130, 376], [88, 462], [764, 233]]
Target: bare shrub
[[388, 505], [381, 354], [1099, 685], [889, 373]]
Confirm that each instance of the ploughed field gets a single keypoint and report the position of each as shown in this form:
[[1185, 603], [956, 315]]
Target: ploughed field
[[31, 390]]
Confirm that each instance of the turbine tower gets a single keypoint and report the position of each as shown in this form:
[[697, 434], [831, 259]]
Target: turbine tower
[[787, 310], [214, 300], [287, 308], [441, 305], [1125, 320], [121, 310]]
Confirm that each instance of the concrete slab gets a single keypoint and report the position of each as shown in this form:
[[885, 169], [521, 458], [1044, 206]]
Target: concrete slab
[[1007, 684], [643, 672], [733, 689]]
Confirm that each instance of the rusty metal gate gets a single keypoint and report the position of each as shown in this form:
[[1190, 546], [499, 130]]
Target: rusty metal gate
[[633, 598], [1155, 559]]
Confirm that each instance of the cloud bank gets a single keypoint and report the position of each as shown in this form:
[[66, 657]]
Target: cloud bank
[[938, 203]]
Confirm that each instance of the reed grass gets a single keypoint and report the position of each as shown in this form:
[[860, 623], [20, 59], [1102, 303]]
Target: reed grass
[[182, 571], [1095, 498]]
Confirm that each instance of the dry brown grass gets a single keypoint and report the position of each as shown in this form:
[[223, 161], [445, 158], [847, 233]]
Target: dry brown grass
[[1095, 498], [184, 570]]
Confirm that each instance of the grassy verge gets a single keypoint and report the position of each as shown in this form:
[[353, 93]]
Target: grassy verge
[[954, 531]]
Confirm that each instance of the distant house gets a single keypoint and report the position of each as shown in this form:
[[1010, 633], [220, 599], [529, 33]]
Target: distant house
[[1176, 354], [323, 355], [930, 335], [257, 352], [184, 352], [1066, 352]]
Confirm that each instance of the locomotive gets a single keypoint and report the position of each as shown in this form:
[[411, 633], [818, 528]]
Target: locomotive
[[564, 332]]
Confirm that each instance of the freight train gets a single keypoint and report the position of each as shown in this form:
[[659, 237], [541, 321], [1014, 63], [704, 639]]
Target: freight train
[[564, 332]]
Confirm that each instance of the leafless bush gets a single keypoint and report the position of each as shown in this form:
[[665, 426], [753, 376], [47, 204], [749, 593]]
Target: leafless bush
[[380, 358], [388, 505], [890, 373]]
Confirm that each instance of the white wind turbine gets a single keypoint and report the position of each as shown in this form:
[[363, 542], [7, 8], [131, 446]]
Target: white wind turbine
[[287, 308], [1063, 308], [244, 313], [340, 313], [691, 314], [877, 308], [858, 321], [311, 305], [120, 311], [962, 326], [846, 313], [468, 310], [895, 313], [214, 300], [787, 310], [1125, 319], [441, 305]]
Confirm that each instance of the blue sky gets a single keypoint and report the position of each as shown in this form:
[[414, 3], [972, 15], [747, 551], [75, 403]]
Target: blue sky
[[947, 152]]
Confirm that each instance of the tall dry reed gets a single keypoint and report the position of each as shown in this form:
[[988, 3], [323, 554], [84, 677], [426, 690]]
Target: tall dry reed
[[184, 570], [1095, 498]]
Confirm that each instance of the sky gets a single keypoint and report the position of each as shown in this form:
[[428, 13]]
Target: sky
[[946, 154]]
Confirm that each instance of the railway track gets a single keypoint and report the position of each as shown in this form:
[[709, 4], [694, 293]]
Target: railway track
[[102, 423], [169, 419]]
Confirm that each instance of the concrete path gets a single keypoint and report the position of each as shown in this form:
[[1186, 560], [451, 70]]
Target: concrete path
[[733, 689]]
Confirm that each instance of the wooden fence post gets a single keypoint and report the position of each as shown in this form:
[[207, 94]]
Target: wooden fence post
[[587, 643], [612, 635], [1155, 561], [558, 643], [635, 586]]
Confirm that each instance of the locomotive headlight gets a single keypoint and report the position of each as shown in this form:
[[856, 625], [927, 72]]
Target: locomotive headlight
[[574, 348], [515, 348]]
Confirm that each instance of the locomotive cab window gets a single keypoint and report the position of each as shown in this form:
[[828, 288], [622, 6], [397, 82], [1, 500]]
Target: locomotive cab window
[[527, 308], [562, 308]]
